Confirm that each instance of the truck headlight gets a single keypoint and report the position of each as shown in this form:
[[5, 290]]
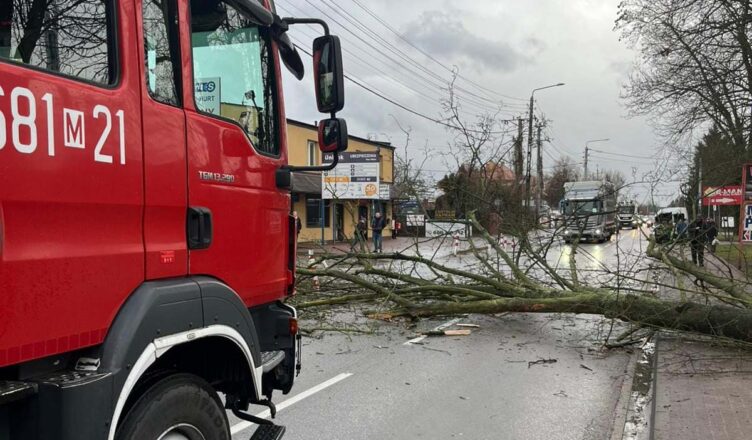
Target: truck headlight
[[567, 232], [597, 231]]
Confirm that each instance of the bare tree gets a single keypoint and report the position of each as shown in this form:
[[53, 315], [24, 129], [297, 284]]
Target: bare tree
[[694, 66], [564, 170]]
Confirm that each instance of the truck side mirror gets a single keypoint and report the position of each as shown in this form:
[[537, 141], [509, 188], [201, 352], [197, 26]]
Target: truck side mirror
[[328, 74], [332, 135]]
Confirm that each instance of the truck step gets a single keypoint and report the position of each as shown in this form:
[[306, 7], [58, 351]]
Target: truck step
[[270, 359], [11, 391], [68, 378], [268, 432]]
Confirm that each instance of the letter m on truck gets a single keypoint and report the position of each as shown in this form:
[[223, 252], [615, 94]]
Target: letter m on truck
[[147, 249]]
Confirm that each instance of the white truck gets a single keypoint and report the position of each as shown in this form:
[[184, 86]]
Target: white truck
[[588, 211], [627, 216]]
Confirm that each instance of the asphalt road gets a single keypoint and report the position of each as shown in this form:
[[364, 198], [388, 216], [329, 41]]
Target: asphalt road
[[517, 376]]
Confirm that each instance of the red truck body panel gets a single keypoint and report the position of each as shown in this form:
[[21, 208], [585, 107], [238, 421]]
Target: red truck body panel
[[78, 235]]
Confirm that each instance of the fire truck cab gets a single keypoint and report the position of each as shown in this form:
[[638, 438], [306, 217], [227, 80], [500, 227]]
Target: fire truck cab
[[146, 242]]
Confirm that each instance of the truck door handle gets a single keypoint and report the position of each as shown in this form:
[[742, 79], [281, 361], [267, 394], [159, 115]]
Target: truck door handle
[[199, 227]]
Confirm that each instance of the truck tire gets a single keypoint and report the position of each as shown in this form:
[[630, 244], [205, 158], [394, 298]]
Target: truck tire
[[180, 406]]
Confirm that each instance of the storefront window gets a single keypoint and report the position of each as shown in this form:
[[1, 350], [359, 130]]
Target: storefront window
[[313, 213]]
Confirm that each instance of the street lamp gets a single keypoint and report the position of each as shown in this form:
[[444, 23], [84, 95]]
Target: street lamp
[[587, 151], [530, 149]]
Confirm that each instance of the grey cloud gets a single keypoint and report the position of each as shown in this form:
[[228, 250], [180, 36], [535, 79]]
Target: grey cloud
[[443, 33]]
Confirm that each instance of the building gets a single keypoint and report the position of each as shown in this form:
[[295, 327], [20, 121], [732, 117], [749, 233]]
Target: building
[[335, 213]]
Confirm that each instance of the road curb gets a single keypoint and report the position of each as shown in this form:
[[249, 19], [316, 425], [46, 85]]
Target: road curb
[[637, 399], [621, 409], [654, 395]]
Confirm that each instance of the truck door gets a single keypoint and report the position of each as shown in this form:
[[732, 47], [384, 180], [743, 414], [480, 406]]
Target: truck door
[[165, 178], [235, 135], [71, 178]]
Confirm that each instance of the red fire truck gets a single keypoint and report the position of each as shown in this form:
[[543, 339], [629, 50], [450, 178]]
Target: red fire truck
[[146, 246]]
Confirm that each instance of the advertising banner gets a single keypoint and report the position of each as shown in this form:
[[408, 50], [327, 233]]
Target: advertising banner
[[385, 191], [356, 176], [730, 195], [746, 224]]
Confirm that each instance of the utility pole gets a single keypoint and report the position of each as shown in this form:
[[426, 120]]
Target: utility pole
[[518, 160], [584, 175], [529, 149], [699, 187], [539, 163], [530, 140], [587, 153]]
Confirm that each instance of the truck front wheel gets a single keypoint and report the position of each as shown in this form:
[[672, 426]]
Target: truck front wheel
[[178, 407]]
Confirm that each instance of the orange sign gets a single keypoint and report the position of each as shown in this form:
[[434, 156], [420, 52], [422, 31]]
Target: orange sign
[[336, 179], [371, 190]]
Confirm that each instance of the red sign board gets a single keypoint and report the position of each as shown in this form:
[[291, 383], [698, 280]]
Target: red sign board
[[722, 195]]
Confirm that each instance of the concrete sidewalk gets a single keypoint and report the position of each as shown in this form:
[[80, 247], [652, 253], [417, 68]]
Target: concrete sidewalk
[[702, 391], [702, 388]]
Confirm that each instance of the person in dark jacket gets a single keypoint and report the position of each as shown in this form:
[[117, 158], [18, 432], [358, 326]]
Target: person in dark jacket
[[378, 227], [681, 229], [360, 235], [298, 225], [712, 234], [698, 231]]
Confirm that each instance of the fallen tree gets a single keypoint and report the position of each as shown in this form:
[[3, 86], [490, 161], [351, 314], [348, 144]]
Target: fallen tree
[[415, 286]]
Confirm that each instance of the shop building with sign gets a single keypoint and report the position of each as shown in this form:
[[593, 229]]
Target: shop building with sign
[[331, 203]]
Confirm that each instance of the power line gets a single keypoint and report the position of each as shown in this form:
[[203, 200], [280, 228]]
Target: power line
[[380, 40], [400, 65], [401, 37], [406, 108], [428, 98], [618, 160], [622, 155]]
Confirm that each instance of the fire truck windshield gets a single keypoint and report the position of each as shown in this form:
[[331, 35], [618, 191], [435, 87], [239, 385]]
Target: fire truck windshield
[[233, 71]]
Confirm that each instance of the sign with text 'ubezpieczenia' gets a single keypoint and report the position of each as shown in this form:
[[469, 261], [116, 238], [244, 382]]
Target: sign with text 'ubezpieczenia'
[[356, 176]]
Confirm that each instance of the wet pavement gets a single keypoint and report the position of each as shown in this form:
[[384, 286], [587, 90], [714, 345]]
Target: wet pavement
[[518, 376]]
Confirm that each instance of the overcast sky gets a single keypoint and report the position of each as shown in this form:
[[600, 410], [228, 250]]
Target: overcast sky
[[507, 46]]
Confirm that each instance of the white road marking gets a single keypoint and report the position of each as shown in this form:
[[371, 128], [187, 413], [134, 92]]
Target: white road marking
[[236, 428], [441, 327]]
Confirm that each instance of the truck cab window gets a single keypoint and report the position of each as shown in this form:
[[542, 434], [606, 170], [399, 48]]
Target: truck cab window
[[233, 72], [70, 37], [161, 50]]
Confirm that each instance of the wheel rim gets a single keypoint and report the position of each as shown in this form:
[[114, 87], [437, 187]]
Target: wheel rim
[[182, 431]]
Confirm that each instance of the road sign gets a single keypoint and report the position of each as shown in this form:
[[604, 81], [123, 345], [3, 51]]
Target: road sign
[[445, 214], [747, 223], [356, 176], [438, 229], [730, 195], [416, 220]]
